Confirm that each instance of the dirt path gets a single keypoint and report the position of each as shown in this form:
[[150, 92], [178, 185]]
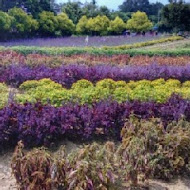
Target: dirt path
[[7, 181]]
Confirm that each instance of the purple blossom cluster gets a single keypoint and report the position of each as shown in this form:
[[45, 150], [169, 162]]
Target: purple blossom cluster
[[36, 124], [69, 74]]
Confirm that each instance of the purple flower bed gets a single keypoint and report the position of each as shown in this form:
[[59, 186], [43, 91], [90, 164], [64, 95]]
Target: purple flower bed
[[97, 41], [68, 74], [40, 125]]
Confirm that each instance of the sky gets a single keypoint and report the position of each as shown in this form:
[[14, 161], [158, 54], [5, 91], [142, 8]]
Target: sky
[[112, 4]]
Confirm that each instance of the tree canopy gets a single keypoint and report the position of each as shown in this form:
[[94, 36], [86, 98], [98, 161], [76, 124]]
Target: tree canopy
[[175, 16], [117, 26], [139, 22], [22, 23]]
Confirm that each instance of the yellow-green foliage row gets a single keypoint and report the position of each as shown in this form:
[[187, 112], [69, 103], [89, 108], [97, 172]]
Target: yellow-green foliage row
[[3, 94], [84, 91], [143, 44]]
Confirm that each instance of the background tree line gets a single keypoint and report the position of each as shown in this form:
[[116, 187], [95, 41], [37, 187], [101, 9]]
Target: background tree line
[[27, 18]]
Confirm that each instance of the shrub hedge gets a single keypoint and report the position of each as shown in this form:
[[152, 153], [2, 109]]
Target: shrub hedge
[[84, 92], [12, 57], [66, 75], [95, 51]]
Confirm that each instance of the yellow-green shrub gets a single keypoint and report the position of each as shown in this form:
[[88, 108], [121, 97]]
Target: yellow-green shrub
[[3, 94], [84, 91], [143, 44]]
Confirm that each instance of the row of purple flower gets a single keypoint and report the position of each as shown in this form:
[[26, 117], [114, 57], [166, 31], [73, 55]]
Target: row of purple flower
[[68, 74], [36, 124]]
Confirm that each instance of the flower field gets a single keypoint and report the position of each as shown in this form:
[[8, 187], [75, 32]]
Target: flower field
[[97, 41], [138, 100]]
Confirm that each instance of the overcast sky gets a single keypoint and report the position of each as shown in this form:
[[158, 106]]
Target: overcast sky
[[112, 4]]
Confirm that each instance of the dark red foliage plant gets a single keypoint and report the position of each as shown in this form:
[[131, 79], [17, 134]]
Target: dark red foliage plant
[[36, 170]]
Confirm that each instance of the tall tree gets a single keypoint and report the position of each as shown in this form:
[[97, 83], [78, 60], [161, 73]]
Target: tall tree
[[5, 5], [135, 5], [31, 6], [175, 16], [37, 6], [73, 10], [90, 9]]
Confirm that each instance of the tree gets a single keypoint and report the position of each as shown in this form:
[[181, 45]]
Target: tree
[[155, 8], [103, 10], [5, 24], [81, 27], [48, 23], [135, 5], [141, 5], [22, 24], [98, 25], [117, 26], [73, 10], [35, 7], [5, 5], [175, 16], [139, 22], [122, 15], [65, 25], [32, 6], [90, 9]]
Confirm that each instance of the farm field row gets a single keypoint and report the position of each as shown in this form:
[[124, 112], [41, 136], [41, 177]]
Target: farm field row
[[12, 57], [84, 92], [37, 124], [66, 75]]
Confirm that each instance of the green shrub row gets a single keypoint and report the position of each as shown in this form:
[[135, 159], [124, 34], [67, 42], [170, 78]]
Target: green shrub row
[[84, 91], [143, 44], [25, 50]]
